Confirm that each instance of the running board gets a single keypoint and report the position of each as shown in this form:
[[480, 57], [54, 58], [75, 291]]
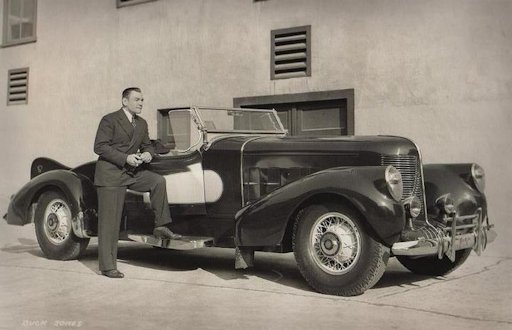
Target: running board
[[184, 243]]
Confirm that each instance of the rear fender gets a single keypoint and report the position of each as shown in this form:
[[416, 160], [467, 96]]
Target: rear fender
[[264, 222], [42, 165], [78, 189]]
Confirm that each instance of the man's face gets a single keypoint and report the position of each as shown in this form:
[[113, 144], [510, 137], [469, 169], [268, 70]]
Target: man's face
[[134, 102]]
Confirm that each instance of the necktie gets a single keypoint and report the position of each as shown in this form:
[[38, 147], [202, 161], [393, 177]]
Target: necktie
[[133, 122]]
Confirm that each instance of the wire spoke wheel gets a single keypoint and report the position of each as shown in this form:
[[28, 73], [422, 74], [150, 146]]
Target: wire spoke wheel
[[57, 221], [53, 223], [335, 243], [335, 252]]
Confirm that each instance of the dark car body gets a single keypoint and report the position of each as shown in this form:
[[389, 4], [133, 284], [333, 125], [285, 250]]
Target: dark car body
[[348, 167], [254, 186]]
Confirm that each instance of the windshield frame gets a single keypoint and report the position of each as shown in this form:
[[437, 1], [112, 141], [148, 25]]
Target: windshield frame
[[281, 130]]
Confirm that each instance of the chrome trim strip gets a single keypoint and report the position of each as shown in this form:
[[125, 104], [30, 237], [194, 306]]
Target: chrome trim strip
[[229, 136], [227, 108], [420, 160], [281, 127], [467, 217], [185, 243], [198, 117], [242, 167], [241, 131], [448, 229], [279, 121], [414, 248]]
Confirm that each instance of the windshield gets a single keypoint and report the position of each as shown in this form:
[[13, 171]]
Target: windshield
[[240, 120]]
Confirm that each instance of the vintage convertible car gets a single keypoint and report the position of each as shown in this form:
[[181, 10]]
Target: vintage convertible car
[[342, 205]]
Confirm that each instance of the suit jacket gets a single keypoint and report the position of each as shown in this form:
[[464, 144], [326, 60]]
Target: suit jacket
[[116, 138]]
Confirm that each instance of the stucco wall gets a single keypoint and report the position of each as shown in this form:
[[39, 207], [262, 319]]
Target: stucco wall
[[438, 72]]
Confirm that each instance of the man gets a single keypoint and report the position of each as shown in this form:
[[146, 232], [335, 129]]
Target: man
[[123, 145]]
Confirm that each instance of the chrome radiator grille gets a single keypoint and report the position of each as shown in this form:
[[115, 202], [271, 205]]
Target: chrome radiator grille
[[409, 167]]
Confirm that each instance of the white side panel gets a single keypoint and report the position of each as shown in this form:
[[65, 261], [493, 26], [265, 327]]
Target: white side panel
[[186, 187], [213, 186]]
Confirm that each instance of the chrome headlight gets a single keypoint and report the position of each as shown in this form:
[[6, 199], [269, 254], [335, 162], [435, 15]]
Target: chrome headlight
[[394, 183], [412, 206], [478, 176]]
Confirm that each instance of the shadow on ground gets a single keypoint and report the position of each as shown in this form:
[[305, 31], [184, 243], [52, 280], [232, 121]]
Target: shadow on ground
[[26, 246], [272, 267], [396, 275], [217, 261]]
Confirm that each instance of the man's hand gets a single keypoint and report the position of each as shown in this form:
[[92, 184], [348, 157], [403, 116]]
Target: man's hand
[[146, 157], [134, 160]]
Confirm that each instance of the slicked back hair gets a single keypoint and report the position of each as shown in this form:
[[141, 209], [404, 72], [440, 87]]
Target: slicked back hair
[[127, 91]]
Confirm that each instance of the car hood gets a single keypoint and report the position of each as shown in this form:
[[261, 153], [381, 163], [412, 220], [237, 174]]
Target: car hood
[[390, 145]]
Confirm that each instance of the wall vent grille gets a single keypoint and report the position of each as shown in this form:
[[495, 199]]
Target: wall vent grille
[[17, 88], [291, 52]]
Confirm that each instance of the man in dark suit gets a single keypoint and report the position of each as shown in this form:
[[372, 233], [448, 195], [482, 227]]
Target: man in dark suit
[[123, 145]]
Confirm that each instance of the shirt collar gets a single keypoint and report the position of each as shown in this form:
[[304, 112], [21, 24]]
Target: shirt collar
[[129, 115]]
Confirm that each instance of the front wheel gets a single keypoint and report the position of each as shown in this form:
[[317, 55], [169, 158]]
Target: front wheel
[[334, 252], [54, 230], [434, 266]]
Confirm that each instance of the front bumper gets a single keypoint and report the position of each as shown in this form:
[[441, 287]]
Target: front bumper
[[443, 240]]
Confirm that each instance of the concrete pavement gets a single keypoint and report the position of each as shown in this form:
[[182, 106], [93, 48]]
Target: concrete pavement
[[201, 290]]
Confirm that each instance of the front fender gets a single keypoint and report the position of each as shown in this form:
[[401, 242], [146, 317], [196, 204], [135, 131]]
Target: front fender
[[453, 179], [264, 222], [78, 189]]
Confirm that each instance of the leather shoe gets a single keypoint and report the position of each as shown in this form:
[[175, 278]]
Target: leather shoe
[[165, 233], [113, 273]]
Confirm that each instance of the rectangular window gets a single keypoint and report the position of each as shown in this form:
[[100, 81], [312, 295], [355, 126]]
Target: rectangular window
[[124, 3], [19, 21], [312, 114], [17, 87], [291, 52], [323, 118]]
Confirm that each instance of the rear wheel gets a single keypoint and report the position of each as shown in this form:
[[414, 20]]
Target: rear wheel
[[334, 252], [54, 230], [434, 266]]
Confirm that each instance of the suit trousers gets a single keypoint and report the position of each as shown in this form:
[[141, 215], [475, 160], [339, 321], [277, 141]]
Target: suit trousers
[[110, 211]]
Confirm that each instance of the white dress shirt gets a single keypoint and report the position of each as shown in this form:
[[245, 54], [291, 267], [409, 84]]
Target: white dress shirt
[[128, 115]]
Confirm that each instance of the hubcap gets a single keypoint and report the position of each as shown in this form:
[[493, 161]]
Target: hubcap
[[330, 244], [335, 243], [57, 221]]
